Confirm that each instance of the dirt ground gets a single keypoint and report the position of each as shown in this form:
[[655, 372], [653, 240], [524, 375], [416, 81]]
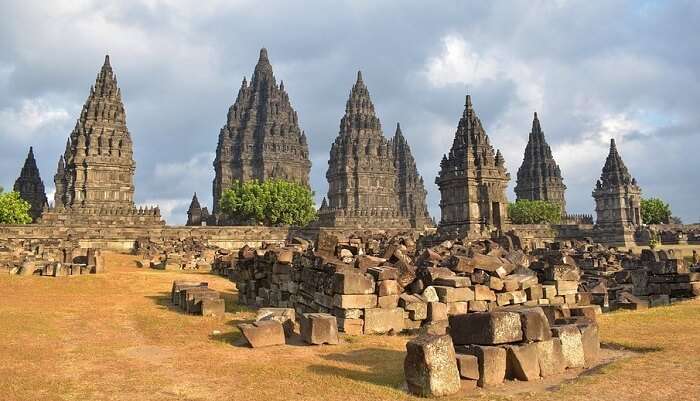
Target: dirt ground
[[115, 337]]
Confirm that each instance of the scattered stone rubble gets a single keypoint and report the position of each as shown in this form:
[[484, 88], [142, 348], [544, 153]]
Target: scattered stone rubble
[[197, 298], [514, 343], [27, 258], [185, 254], [380, 285]]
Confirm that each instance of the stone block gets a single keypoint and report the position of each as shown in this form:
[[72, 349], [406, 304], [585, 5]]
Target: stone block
[[483, 293], [285, 316], [213, 307], [430, 294], [504, 298], [437, 311], [381, 273], [519, 297], [351, 283], [353, 327], [571, 345], [492, 363], [388, 287], [589, 311], [354, 301], [478, 306], [457, 308], [534, 292], [453, 281], [496, 283], [486, 328], [566, 287], [319, 328], [562, 273], [549, 357], [660, 300], [590, 342], [453, 294], [430, 366], [535, 325], [550, 291], [522, 362], [468, 366], [380, 321], [263, 334], [388, 301]]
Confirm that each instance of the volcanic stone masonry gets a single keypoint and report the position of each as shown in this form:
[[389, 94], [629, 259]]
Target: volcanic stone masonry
[[369, 184], [261, 139], [95, 176], [539, 177], [31, 187], [618, 202], [196, 214], [472, 181]]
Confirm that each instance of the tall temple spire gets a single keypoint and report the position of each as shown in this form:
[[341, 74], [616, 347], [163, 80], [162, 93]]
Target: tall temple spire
[[95, 175], [30, 186], [362, 177], [261, 138], [472, 163], [618, 201], [409, 184], [539, 176]]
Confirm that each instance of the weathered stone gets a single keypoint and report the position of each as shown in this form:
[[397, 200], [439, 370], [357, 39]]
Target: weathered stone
[[319, 328], [457, 308], [388, 301], [353, 327], [454, 281], [522, 362], [353, 283], [382, 273], [380, 321], [468, 366], [492, 363], [590, 342], [487, 328], [437, 311], [430, 366], [550, 357], [263, 334], [213, 307], [286, 317], [27, 269], [535, 325], [30, 186], [483, 293], [388, 287], [571, 345], [354, 301], [452, 294]]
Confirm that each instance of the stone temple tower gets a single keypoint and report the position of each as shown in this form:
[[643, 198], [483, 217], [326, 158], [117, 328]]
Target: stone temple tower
[[261, 139], [31, 187], [409, 184], [539, 177], [361, 172], [472, 181], [95, 175], [618, 202]]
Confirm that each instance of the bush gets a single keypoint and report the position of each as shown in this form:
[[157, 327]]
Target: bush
[[655, 211], [271, 202], [14, 209], [534, 212]]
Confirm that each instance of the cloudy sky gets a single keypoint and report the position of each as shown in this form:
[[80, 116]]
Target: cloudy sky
[[591, 69]]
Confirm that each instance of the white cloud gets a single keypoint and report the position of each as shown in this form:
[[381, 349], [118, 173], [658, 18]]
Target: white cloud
[[31, 118], [196, 168], [168, 207]]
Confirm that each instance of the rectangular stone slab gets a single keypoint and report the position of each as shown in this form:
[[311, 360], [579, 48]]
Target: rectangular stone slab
[[486, 328]]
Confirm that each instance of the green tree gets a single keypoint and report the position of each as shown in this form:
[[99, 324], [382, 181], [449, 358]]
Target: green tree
[[655, 211], [534, 212], [14, 209], [271, 202]]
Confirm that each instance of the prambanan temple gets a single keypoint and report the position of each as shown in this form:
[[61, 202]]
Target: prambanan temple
[[373, 181]]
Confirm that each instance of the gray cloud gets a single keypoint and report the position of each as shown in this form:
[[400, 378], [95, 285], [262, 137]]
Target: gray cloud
[[591, 69]]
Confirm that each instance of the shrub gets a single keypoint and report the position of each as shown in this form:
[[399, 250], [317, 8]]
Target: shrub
[[655, 211], [534, 212], [14, 209]]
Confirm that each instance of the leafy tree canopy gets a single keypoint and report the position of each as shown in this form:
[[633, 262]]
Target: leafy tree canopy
[[534, 212], [14, 209], [655, 211], [271, 202]]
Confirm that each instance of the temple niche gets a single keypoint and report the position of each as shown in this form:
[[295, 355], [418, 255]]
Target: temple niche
[[261, 139], [30, 186], [618, 202], [539, 176], [95, 175], [472, 182], [369, 184]]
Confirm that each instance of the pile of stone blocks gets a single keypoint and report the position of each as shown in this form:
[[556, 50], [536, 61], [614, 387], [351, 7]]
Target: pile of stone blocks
[[376, 285], [188, 254], [197, 298], [273, 326], [27, 259], [487, 348]]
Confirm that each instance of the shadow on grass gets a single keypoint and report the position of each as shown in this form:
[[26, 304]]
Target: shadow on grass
[[630, 348], [382, 367]]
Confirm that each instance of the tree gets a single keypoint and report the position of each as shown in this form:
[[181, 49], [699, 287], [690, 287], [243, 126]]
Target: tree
[[14, 209], [271, 202], [534, 212], [655, 211]]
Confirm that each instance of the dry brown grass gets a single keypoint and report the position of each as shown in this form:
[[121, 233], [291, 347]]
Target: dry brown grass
[[114, 337]]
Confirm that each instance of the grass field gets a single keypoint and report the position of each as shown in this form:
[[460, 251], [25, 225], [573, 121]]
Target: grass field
[[115, 337]]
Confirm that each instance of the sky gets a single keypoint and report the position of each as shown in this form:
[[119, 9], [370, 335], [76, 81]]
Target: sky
[[593, 70]]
